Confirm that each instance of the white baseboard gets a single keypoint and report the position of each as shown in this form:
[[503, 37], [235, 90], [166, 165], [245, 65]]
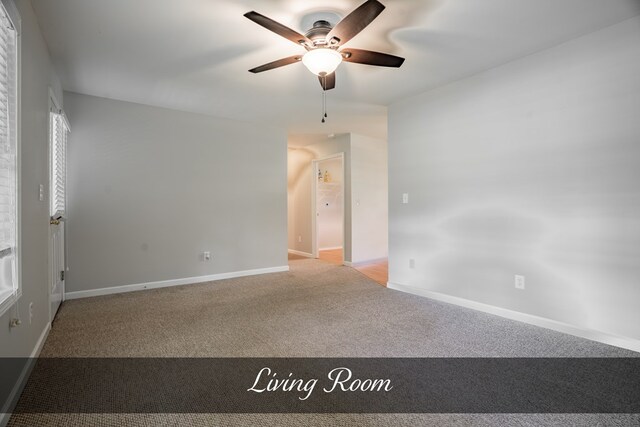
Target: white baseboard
[[174, 282], [603, 337], [43, 337], [22, 379], [365, 262], [300, 253], [332, 248]]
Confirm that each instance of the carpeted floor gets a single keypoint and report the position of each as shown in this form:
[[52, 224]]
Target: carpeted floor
[[315, 310]]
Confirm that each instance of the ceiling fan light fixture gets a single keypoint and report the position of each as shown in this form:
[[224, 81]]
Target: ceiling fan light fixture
[[322, 61]]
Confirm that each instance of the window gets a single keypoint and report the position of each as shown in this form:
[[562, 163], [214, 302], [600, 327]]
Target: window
[[9, 283], [58, 135]]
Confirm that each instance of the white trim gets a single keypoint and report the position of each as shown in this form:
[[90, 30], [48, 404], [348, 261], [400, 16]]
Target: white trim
[[543, 322], [16, 20], [14, 15], [43, 337], [9, 302], [332, 248], [365, 262], [169, 283], [11, 402], [314, 193], [54, 107], [300, 253]]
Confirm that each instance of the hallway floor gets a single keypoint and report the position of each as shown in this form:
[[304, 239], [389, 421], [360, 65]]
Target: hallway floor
[[334, 256], [377, 271]]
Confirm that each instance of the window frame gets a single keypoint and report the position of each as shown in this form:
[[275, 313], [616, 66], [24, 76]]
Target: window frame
[[55, 108], [12, 299]]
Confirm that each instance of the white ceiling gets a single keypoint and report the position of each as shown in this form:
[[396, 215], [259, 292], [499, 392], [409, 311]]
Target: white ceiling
[[193, 55]]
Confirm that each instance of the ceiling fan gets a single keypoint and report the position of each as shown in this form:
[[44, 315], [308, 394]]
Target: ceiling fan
[[324, 44]]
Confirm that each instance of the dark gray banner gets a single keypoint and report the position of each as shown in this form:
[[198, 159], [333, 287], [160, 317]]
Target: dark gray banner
[[326, 385]]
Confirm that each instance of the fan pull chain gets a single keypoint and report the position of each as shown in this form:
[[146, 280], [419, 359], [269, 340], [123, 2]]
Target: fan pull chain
[[324, 98], [325, 103]]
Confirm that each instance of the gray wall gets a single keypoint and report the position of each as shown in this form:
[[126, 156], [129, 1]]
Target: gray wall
[[530, 168], [369, 198], [150, 189], [36, 78], [299, 199]]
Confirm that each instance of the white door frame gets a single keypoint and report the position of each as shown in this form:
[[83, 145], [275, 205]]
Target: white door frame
[[314, 212], [54, 106]]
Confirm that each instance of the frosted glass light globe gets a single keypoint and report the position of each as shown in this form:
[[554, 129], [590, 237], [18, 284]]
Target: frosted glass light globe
[[322, 61]]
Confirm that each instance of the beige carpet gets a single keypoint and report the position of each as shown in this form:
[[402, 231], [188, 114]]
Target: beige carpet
[[315, 310]]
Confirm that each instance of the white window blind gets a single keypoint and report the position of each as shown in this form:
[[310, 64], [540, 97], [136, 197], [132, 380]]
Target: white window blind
[[8, 160], [59, 134]]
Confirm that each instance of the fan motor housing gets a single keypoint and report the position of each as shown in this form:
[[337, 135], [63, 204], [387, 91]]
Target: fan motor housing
[[318, 34]]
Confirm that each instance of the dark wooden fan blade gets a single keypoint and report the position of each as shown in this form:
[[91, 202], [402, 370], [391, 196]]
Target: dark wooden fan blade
[[355, 22], [368, 57], [278, 28], [328, 82], [276, 64]]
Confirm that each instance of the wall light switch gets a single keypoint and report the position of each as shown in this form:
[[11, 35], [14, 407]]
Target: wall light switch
[[519, 282], [405, 198], [206, 256]]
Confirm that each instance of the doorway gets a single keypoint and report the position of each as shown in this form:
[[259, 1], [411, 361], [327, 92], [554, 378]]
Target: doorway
[[328, 211], [58, 135]]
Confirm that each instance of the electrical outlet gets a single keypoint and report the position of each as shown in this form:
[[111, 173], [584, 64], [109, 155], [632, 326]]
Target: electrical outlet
[[405, 198], [41, 192], [30, 313], [206, 256], [299, 239], [412, 263], [519, 282]]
